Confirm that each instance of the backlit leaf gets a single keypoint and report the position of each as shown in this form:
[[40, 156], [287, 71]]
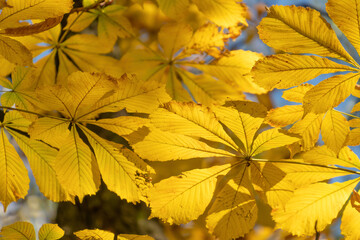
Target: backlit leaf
[[192, 120], [313, 207], [118, 172], [18, 231], [302, 175], [224, 13], [349, 223], [270, 139], [301, 38], [285, 115], [170, 146], [285, 70], [297, 94], [354, 137], [309, 129], [234, 69], [75, 167], [32, 9], [42, 162], [270, 183], [329, 93], [243, 118], [325, 156], [14, 180], [15, 52], [95, 234], [334, 130], [183, 198], [345, 15], [234, 211], [50, 232], [172, 37]]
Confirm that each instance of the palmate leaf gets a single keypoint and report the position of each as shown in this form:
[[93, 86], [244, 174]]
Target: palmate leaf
[[172, 67], [228, 132], [79, 52], [290, 70], [21, 91], [83, 155]]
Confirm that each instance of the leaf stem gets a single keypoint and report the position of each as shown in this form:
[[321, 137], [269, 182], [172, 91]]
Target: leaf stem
[[306, 164]]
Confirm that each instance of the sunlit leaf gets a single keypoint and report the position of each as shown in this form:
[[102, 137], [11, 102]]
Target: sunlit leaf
[[234, 211], [334, 130], [285, 70], [313, 207], [50, 232], [301, 38], [14, 177], [19, 231], [329, 93], [183, 198], [270, 139], [285, 115], [75, 167]]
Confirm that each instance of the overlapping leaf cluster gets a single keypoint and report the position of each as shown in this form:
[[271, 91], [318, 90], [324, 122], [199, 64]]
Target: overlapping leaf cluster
[[81, 114]]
